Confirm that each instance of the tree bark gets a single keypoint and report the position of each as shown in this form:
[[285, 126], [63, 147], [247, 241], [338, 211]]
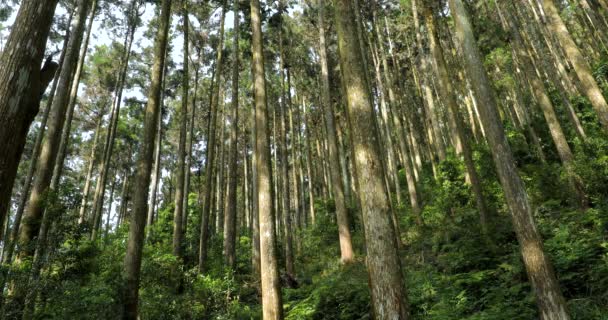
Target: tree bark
[[22, 84], [540, 271], [383, 264], [272, 306], [67, 129], [135, 242], [346, 248]]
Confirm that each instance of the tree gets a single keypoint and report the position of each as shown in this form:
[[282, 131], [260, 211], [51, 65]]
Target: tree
[[210, 153], [383, 264], [135, 242], [22, 85], [180, 193], [540, 271], [346, 247], [231, 199], [271, 290], [581, 67]]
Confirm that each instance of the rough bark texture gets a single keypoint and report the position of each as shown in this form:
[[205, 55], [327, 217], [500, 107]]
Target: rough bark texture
[[22, 83], [346, 247], [135, 243], [383, 264], [540, 271], [45, 163], [272, 306]]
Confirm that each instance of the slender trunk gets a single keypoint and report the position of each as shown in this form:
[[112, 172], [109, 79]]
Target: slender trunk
[[109, 142], [210, 154], [540, 92], [89, 177], [65, 136], [181, 151], [230, 212], [45, 163], [583, 71], [383, 264], [309, 171], [284, 161], [135, 242], [540, 271], [346, 247], [272, 306], [448, 95]]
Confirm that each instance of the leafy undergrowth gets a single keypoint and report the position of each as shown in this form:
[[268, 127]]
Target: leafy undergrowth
[[451, 272]]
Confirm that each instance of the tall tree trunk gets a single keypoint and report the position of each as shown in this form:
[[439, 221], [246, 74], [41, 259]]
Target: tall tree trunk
[[284, 161], [22, 84], [91, 165], [67, 129], [309, 171], [542, 97], [34, 212], [272, 305], [210, 154], [540, 271], [230, 212], [346, 247], [383, 264], [45, 163], [10, 239], [181, 151], [583, 71], [448, 95], [135, 242], [109, 142], [156, 173]]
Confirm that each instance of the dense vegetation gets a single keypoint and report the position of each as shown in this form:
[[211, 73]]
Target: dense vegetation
[[304, 159]]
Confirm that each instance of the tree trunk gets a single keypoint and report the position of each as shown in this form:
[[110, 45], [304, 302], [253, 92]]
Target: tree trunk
[[89, 177], [210, 154], [135, 242], [583, 71], [542, 97], [284, 161], [383, 264], [109, 142], [448, 95], [67, 129], [230, 212], [272, 305], [540, 271], [45, 163], [22, 84], [346, 247], [181, 151]]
